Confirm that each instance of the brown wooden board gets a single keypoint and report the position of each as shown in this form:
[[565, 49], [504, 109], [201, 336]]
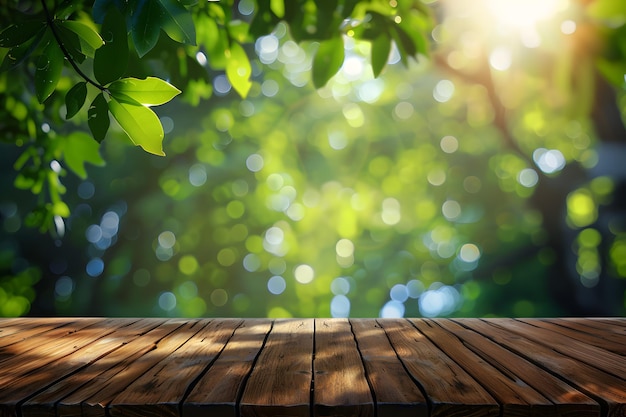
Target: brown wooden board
[[567, 400], [87, 345], [582, 333], [39, 342], [21, 329], [93, 398], [513, 394], [217, 392], [280, 383], [340, 386], [610, 391], [396, 394], [609, 329], [599, 358], [450, 390], [131, 344], [161, 390]]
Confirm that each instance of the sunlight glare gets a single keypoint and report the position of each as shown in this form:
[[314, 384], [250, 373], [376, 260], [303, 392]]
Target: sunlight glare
[[523, 13]]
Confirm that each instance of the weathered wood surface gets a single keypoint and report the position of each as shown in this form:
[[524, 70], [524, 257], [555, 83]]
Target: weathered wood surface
[[313, 367]]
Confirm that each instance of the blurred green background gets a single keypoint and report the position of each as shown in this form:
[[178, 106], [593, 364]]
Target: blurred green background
[[485, 180]]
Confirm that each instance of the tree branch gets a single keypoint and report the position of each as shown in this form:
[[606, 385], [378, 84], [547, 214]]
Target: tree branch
[[65, 51]]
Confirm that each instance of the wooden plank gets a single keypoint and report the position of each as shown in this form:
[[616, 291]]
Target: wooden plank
[[595, 383], [93, 398], [581, 333], [340, 386], [88, 345], [132, 343], [599, 358], [610, 329], [160, 391], [38, 344], [451, 391], [280, 382], [218, 390], [21, 329], [568, 401], [512, 393], [396, 394]]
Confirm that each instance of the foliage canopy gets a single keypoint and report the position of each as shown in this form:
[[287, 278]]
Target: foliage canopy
[[446, 181]]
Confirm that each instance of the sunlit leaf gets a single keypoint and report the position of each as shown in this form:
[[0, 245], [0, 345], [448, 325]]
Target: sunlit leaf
[[75, 98], [381, 47], [238, 69], [19, 33], [78, 149], [327, 61], [141, 124], [60, 208], [149, 92], [215, 41], [238, 30], [85, 33], [611, 11], [48, 71], [111, 59], [278, 7], [98, 117]]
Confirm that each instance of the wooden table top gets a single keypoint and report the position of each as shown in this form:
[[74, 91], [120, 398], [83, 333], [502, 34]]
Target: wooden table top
[[312, 367]]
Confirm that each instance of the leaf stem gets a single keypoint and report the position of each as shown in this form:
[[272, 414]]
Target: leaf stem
[[65, 51]]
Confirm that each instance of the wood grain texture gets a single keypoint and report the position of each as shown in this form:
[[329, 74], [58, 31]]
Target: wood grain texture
[[217, 392], [280, 383], [340, 386], [451, 390], [396, 394], [312, 367], [599, 385], [567, 400]]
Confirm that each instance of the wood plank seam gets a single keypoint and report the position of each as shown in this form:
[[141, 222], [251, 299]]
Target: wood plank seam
[[193, 383], [419, 385], [367, 376], [247, 377], [19, 404], [312, 389], [604, 406]]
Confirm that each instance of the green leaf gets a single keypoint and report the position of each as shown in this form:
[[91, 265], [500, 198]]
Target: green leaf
[[19, 53], [75, 98], [612, 12], [146, 26], [150, 16], [141, 124], [111, 59], [79, 148], [19, 33], [48, 70], [149, 92], [98, 117], [278, 7], [327, 61], [72, 44], [87, 34], [177, 22], [406, 46], [238, 69], [381, 47]]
